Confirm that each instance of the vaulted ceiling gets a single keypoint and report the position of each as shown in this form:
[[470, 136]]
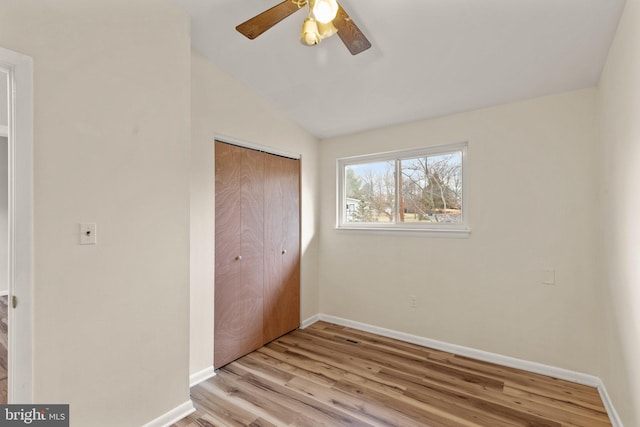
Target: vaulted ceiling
[[429, 57]]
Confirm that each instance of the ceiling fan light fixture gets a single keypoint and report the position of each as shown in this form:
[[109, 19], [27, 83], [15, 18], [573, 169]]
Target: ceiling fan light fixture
[[310, 35], [324, 11], [326, 30], [313, 31]]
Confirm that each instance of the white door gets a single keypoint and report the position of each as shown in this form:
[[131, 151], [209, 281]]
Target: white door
[[18, 71]]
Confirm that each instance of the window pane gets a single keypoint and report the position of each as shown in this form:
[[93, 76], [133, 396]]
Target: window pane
[[370, 192], [432, 189]]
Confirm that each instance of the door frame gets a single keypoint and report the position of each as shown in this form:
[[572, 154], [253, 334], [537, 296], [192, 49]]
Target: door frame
[[257, 147], [19, 69]]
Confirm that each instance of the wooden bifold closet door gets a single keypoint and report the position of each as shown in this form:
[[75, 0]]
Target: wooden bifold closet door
[[282, 246], [257, 250]]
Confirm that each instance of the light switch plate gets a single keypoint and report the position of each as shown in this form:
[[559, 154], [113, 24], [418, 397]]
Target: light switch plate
[[548, 277], [88, 234]]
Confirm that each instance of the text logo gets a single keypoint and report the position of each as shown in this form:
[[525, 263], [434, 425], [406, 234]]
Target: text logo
[[34, 415]]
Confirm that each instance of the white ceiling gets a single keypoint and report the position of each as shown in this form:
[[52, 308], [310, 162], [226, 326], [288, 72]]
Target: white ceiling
[[429, 57]]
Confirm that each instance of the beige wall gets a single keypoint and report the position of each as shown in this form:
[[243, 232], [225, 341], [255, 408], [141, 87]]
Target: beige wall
[[222, 106], [111, 146], [532, 206], [620, 207], [111, 321]]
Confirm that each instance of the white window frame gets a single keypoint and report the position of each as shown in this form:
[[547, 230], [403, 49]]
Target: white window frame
[[428, 229]]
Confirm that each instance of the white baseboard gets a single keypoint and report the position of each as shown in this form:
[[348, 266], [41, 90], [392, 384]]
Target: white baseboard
[[512, 362], [310, 321], [186, 408], [608, 404], [203, 375], [173, 416]]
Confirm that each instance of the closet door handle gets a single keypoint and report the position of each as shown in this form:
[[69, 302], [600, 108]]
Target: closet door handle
[[239, 258], [284, 251]]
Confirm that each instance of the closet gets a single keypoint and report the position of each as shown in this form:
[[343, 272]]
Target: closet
[[257, 249]]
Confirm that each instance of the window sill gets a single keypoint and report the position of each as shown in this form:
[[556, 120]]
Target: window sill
[[449, 233]]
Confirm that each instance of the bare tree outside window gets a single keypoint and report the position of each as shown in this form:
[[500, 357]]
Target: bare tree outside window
[[432, 189], [415, 188], [373, 186]]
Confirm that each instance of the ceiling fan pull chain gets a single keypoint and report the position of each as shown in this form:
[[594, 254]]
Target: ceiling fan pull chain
[[299, 3]]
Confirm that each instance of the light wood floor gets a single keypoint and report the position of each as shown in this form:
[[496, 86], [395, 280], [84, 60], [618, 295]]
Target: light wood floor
[[328, 375], [3, 349]]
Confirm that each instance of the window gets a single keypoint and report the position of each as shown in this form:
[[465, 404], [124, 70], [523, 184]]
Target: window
[[413, 190]]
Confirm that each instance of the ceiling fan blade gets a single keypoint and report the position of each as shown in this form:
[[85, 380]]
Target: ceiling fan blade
[[257, 25], [349, 33]]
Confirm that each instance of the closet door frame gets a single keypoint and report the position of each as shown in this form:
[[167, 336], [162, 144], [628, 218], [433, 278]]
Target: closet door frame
[[265, 149]]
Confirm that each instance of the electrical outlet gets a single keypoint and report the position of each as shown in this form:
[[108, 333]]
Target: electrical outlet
[[414, 301], [87, 234]]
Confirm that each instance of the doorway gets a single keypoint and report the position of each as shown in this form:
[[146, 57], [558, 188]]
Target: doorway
[[16, 77], [4, 234]]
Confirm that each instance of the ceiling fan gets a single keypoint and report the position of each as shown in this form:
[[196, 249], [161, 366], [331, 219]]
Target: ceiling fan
[[326, 18]]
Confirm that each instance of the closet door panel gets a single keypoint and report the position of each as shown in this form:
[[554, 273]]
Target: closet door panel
[[252, 221], [291, 244], [273, 230], [238, 267], [282, 247], [252, 247]]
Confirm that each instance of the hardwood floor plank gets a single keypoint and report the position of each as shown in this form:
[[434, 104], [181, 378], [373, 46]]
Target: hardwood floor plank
[[315, 412], [477, 409], [574, 394], [322, 391], [325, 361], [253, 400], [330, 375], [497, 399], [380, 341], [224, 413], [383, 360], [544, 383], [578, 393], [4, 387], [587, 412], [362, 408], [4, 345], [302, 342], [421, 412], [221, 411], [281, 360], [259, 364]]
